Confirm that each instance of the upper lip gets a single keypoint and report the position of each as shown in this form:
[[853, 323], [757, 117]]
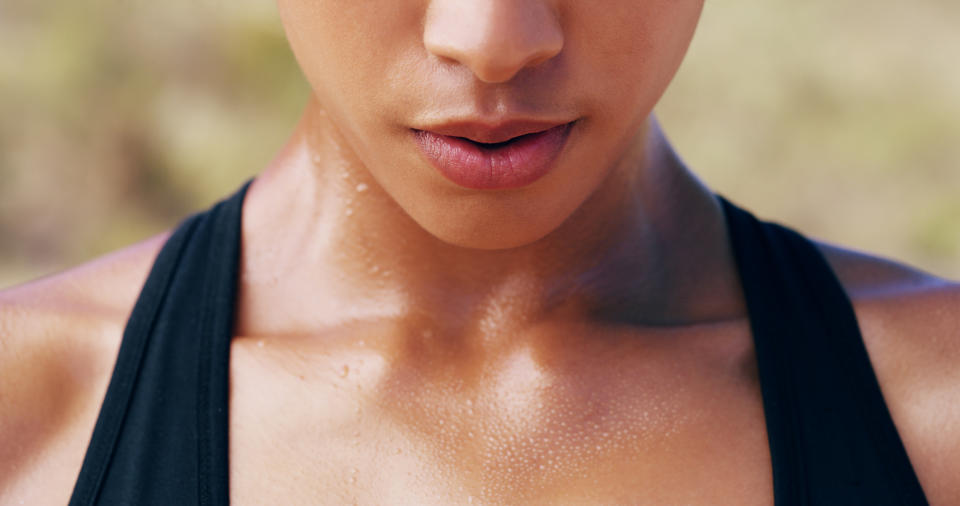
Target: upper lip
[[492, 132]]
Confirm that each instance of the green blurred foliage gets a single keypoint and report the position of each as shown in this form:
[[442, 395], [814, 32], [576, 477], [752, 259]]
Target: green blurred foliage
[[118, 118]]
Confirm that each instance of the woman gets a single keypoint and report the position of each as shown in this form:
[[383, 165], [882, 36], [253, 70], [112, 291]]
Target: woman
[[477, 273]]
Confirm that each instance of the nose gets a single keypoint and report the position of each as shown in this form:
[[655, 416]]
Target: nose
[[495, 39]]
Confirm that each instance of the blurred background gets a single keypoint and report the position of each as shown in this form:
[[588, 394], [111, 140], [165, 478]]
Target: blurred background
[[118, 118]]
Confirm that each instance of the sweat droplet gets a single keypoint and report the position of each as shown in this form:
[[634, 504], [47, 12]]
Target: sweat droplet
[[362, 187], [348, 212]]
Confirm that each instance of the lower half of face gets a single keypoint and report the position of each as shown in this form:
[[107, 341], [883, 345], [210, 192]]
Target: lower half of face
[[487, 123]]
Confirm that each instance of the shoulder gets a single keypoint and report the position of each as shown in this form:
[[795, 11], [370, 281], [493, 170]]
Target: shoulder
[[59, 337], [910, 321]]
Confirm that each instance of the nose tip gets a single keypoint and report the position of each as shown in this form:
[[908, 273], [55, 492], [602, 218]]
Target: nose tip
[[495, 39], [503, 71]]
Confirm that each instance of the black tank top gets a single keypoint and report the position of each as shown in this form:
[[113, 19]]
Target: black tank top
[[161, 436]]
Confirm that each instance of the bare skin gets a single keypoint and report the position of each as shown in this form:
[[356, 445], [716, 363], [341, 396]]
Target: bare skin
[[401, 340]]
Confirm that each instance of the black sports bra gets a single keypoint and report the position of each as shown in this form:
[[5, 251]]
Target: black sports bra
[[161, 436]]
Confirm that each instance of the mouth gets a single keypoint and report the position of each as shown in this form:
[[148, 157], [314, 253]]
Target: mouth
[[510, 155], [502, 144]]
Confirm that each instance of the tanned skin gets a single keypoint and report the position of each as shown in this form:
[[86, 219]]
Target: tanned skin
[[404, 340]]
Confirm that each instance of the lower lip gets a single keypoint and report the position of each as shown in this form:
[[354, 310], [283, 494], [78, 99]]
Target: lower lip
[[513, 164]]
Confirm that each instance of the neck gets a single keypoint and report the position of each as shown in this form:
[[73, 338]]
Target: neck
[[323, 241]]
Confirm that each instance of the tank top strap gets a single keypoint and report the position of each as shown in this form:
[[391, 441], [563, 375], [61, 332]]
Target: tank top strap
[[161, 435], [832, 440]]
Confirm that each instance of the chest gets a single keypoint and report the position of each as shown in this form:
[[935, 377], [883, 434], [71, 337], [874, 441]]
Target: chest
[[347, 429]]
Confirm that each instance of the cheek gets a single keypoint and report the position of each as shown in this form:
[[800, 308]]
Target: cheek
[[365, 64], [351, 51], [632, 49]]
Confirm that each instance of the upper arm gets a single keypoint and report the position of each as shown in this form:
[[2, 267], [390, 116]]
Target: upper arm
[[51, 365], [914, 344], [910, 321], [59, 337]]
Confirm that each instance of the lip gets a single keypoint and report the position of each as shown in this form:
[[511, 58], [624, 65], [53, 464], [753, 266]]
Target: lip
[[493, 156]]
